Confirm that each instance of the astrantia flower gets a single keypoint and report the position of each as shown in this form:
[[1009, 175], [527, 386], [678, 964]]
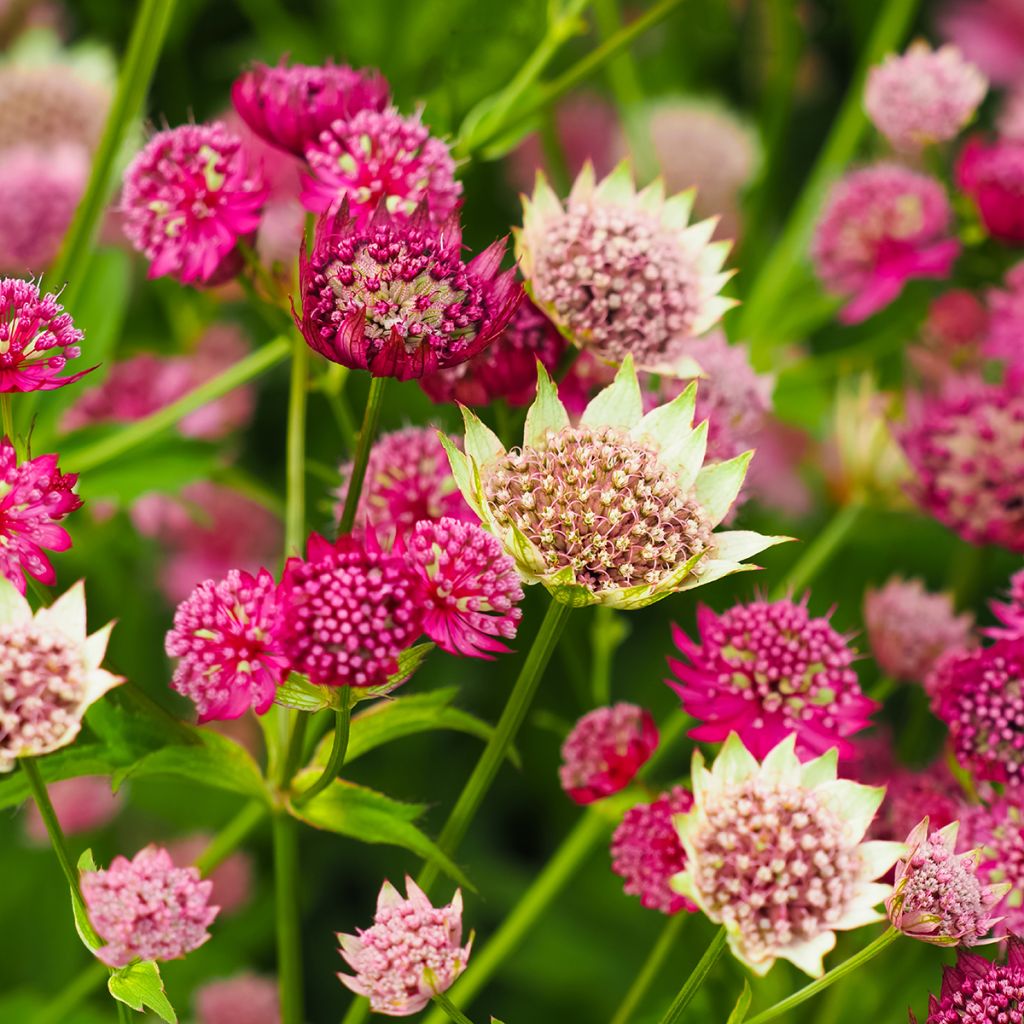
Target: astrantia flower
[[50, 670], [394, 297], [880, 227], [767, 669], [619, 271], [232, 878], [226, 635], [932, 791], [978, 991], [189, 195], [244, 997], [34, 497], [997, 831], [289, 106], [411, 951], [469, 586], [1004, 338], [953, 337], [989, 32], [909, 628], [147, 909], [349, 610], [775, 853], [618, 510], [81, 804], [1010, 613], [993, 176], [37, 338], [605, 750], [380, 158], [647, 853], [924, 96]]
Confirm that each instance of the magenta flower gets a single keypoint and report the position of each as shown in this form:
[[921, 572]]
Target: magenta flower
[[147, 909], [82, 804], [932, 791], [412, 950], [379, 158], [1010, 613], [189, 195], [470, 587], [979, 991], [1005, 335], [395, 298], [767, 669], [37, 338], [244, 997], [605, 750], [646, 851], [993, 176], [997, 831], [290, 106], [882, 226], [227, 637]]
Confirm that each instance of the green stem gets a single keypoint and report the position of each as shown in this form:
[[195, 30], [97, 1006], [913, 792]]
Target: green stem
[[289, 946], [652, 965], [60, 1008], [883, 689], [295, 455], [818, 553], [606, 634], [333, 385], [367, 434], [296, 746], [450, 1009], [339, 747], [693, 983], [846, 967], [229, 838], [123, 1017], [501, 739], [7, 417]]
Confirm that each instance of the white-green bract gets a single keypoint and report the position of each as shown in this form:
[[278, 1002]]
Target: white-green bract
[[617, 510]]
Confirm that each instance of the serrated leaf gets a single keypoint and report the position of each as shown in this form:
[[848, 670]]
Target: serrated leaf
[[481, 443], [140, 986], [83, 925], [299, 694], [408, 661], [718, 484], [69, 763]]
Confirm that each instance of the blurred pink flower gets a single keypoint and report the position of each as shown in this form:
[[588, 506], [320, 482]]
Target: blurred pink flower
[[1005, 336], [1010, 613], [992, 174], [232, 879], [997, 830], [952, 339], [774, 477], [82, 804], [243, 999], [990, 33]]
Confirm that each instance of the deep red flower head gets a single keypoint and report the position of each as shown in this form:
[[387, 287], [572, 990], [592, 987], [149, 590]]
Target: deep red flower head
[[993, 176], [978, 991]]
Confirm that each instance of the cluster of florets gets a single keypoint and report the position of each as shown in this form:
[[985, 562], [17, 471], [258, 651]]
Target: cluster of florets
[[980, 991], [996, 831]]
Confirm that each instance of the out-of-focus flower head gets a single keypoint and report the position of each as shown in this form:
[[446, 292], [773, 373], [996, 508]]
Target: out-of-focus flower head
[[1010, 612], [232, 878], [1005, 336], [997, 831], [932, 790], [81, 804], [980, 991], [244, 997], [775, 477], [990, 33], [992, 174], [953, 337]]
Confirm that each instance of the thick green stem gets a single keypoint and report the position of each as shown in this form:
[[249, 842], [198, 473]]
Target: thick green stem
[[818, 553], [846, 967], [289, 945], [693, 983], [339, 747], [607, 632], [295, 455], [60, 1009], [450, 1010], [367, 434], [234, 833], [123, 1016], [652, 965]]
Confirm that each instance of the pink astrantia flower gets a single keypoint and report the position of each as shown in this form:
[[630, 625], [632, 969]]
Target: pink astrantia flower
[[924, 96], [1005, 335], [953, 337], [412, 950], [289, 106], [34, 497], [380, 158], [82, 804], [767, 669], [349, 610], [979, 991], [646, 851], [394, 297], [932, 791], [37, 338], [189, 195], [993, 176], [147, 909], [880, 227], [605, 750], [469, 586], [990, 33], [909, 628], [997, 831], [245, 997], [1010, 613], [937, 896], [232, 878], [226, 637]]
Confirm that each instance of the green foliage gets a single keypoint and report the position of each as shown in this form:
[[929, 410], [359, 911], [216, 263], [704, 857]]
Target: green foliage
[[140, 986]]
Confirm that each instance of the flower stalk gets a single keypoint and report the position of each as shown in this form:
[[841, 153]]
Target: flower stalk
[[339, 748], [692, 985], [667, 938], [819, 552], [450, 1009], [367, 434]]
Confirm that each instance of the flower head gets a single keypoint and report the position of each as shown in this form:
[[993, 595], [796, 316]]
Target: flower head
[[979, 991], [619, 272], [768, 669], [82, 804], [147, 908], [605, 750], [245, 996], [289, 106], [992, 174], [881, 226], [1004, 338], [997, 832], [232, 878], [411, 951], [380, 158], [618, 510], [932, 791], [189, 195], [989, 32], [775, 854], [953, 338], [226, 635], [1010, 613], [394, 297], [647, 854]]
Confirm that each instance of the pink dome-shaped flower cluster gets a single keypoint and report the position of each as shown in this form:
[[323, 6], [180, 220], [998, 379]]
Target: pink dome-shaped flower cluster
[[81, 804], [605, 750], [997, 831], [1010, 613], [646, 851], [880, 227], [1005, 335], [147, 908], [766, 669], [189, 195], [979, 991], [245, 997], [411, 951], [992, 174]]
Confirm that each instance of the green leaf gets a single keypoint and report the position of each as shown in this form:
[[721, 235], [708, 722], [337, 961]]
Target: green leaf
[[299, 694], [140, 986], [83, 925], [69, 763], [482, 444], [718, 484], [131, 730], [408, 661], [619, 404], [739, 1011], [546, 413]]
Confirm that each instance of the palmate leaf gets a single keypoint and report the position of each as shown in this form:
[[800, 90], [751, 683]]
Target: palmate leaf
[[140, 986]]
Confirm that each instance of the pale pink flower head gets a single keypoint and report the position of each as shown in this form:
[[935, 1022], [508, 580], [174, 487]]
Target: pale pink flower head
[[646, 852], [218, 348], [147, 909], [992, 174], [232, 878], [349, 610], [189, 195], [226, 635], [469, 586], [953, 337], [923, 96], [605, 750], [394, 297], [82, 804], [980, 991], [937, 896], [380, 158], [909, 628], [34, 497], [996, 830], [882, 226], [412, 950], [1010, 124], [1010, 612], [246, 997], [290, 106], [1005, 335], [990, 33], [768, 669], [37, 338]]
